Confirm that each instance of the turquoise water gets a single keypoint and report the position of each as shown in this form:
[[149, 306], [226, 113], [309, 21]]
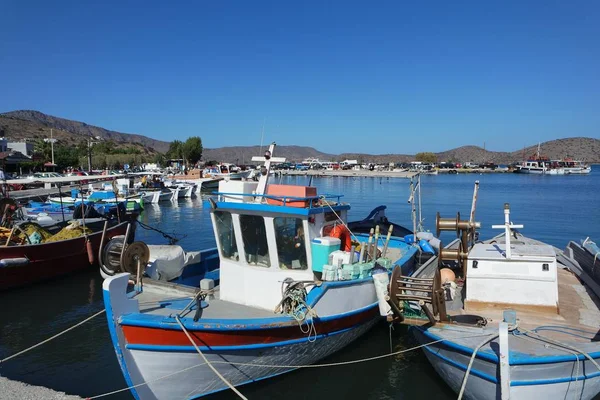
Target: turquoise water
[[554, 209]]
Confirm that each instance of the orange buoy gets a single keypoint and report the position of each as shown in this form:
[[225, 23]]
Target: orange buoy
[[341, 232], [90, 250], [447, 275]]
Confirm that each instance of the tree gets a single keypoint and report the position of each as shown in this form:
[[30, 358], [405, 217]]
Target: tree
[[44, 149], [159, 159], [426, 157], [192, 150], [175, 150]]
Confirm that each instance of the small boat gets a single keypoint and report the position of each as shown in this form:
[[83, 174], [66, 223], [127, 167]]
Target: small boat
[[26, 257], [181, 189], [153, 196], [502, 318], [377, 217], [225, 171], [283, 288]]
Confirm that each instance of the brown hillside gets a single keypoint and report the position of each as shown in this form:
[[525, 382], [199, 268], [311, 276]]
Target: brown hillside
[[32, 125]]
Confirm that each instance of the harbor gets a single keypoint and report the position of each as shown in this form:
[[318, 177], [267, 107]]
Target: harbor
[[92, 338], [309, 200]]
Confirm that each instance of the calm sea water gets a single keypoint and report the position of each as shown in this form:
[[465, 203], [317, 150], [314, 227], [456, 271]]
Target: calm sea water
[[553, 209]]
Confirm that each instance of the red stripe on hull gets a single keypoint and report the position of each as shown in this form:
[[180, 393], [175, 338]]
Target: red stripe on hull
[[209, 338], [50, 260]]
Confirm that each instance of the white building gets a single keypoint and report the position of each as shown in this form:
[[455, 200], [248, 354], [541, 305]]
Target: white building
[[25, 148]]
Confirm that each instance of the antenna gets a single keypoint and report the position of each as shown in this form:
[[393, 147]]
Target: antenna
[[262, 134]]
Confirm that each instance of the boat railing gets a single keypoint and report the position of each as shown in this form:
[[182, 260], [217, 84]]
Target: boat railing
[[310, 200]]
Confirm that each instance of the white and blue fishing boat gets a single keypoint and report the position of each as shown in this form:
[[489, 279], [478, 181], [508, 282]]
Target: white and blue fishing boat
[[502, 318], [283, 289]]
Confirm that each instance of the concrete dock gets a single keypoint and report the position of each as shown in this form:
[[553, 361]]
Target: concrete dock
[[10, 390]]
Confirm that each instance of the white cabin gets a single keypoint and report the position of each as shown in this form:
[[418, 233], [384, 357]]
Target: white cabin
[[264, 239]]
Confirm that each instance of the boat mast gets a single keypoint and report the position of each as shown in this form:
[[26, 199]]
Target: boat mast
[[265, 170]]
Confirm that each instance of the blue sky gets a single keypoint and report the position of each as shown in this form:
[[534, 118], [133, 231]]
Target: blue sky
[[376, 77]]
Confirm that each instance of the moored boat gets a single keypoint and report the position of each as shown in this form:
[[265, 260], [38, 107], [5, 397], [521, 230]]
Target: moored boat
[[277, 294], [502, 318], [35, 260]]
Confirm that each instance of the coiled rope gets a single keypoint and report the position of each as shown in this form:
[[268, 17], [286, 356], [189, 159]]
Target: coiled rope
[[293, 303]]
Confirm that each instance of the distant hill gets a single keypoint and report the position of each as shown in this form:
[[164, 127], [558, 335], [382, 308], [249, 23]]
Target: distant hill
[[29, 124], [33, 125], [587, 149]]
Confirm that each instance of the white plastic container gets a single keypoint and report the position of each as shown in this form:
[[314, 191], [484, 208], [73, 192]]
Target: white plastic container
[[339, 257]]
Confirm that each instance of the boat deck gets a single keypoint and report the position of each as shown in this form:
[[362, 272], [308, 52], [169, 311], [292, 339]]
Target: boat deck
[[166, 299], [577, 307]]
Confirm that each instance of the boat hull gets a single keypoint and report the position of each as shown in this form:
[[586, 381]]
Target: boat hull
[[28, 264], [199, 381], [149, 349], [559, 380]]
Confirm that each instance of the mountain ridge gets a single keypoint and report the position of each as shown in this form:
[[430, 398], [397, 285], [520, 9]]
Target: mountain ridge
[[31, 124]]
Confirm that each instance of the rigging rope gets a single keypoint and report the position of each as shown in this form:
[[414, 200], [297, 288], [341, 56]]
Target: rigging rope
[[339, 218]]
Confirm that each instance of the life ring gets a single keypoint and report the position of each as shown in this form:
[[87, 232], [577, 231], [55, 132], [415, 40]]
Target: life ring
[[341, 232]]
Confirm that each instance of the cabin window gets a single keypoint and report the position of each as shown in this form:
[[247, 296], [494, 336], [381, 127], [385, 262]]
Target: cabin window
[[226, 234], [291, 246], [254, 234]]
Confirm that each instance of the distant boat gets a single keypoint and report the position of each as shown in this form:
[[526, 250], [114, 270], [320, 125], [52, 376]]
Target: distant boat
[[574, 167], [225, 171], [540, 165]]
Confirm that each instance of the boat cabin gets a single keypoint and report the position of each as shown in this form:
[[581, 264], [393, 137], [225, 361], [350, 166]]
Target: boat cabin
[[265, 238], [512, 273]]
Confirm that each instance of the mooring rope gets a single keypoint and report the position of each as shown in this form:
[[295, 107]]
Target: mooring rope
[[238, 364], [53, 337], [468, 371], [225, 381], [172, 239]]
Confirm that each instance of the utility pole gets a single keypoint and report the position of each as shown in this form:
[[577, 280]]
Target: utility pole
[[51, 141], [89, 154]]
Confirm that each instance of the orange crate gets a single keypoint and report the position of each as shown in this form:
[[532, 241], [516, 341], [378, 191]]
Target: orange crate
[[293, 191]]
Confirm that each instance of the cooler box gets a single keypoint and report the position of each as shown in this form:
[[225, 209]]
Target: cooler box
[[291, 191], [321, 248]]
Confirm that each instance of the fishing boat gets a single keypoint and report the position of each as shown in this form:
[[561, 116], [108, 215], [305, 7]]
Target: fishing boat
[[27, 256], [574, 167], [153, 196], [225, 171], [502, 318], [181, 189], [540, 165], [283, 289]]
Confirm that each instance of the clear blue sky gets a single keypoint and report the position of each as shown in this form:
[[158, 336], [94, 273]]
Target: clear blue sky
[[377, 77]]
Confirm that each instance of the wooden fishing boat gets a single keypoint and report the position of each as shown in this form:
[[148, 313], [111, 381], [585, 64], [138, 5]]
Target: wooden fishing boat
[[24, 264], [275, 295], [503, 318]]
